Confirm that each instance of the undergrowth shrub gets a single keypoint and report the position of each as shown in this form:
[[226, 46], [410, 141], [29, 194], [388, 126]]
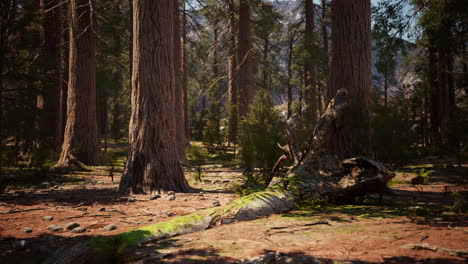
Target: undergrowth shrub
[[261, 130]]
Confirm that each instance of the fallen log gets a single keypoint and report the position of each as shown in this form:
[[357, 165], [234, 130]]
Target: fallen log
[[317, 176]]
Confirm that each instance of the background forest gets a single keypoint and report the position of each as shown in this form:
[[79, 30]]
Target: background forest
[[276, 54], [162, 118]]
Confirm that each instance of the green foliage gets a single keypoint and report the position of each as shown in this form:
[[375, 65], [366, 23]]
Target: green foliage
[[392, 136], [426, 175], [261, 130], [460, 204], [196, 157]]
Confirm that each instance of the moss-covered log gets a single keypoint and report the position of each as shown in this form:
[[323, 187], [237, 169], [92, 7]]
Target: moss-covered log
[[317, 177]]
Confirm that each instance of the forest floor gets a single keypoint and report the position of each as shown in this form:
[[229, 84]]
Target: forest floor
[[362, 233]]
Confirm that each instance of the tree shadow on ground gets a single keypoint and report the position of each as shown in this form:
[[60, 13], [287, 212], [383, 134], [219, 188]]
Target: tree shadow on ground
[[36, 249]]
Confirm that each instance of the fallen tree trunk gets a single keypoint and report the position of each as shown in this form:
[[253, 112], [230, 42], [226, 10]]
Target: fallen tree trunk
[[317, 176]]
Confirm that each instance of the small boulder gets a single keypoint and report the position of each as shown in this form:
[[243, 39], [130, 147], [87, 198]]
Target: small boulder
[[132, 199], [47, 218], [171, 197], [109, 227], [72, 225], [57, 229], [102, 209], [28, 230], [217, 203], [154, 197], [170, 193], [79, 229], [51, 227]]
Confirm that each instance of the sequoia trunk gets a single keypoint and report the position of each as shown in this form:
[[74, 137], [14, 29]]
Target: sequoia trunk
[[351, 68], [153, 162], [81, 139]]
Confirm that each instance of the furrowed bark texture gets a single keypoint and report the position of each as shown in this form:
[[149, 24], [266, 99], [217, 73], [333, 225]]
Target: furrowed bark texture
[[351, 69], [81, 139], [322, 177], [153, 162]]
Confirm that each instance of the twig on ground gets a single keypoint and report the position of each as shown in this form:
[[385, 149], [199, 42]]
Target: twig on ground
[[426, 246], [403, 237], [14, 211]]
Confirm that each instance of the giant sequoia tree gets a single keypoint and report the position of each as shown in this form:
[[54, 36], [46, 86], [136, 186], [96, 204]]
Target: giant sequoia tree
[[153, 162], [351, 68], [81, 140]]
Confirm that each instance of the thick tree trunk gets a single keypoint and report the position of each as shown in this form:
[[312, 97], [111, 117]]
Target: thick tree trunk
[[153, 162], [351, 68], [81, 139], [232, 76], [179, 92], [317, 177], [310, 94], [246, 71]]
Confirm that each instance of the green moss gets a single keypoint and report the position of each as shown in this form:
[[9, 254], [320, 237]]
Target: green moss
[[115, 244]]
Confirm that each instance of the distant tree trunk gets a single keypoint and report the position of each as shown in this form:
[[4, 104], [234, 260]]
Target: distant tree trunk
[[52, 37], [385, 88], [153, 163], [351, 68], [116, 119], [103, 121], [116, 126], [232, 75], [266, 71], [246, 71], [325, 47], [179, 92], [81, 139], [290, 56], [310, 94], [130, 41], [184, 72]]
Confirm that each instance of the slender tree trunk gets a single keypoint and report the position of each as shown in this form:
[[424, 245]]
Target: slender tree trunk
[[290, 56], [179, 92], [310, 95], [103, 121], [326, 67], [266, 71], [117, 119], [385, 88], [351, 69], [246, 70], [81, 139], [184, 72], [117, 77], [52, 39], [232, 75], [153, 162]]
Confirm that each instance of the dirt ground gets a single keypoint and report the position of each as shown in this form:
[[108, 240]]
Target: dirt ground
[[361, 233]]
